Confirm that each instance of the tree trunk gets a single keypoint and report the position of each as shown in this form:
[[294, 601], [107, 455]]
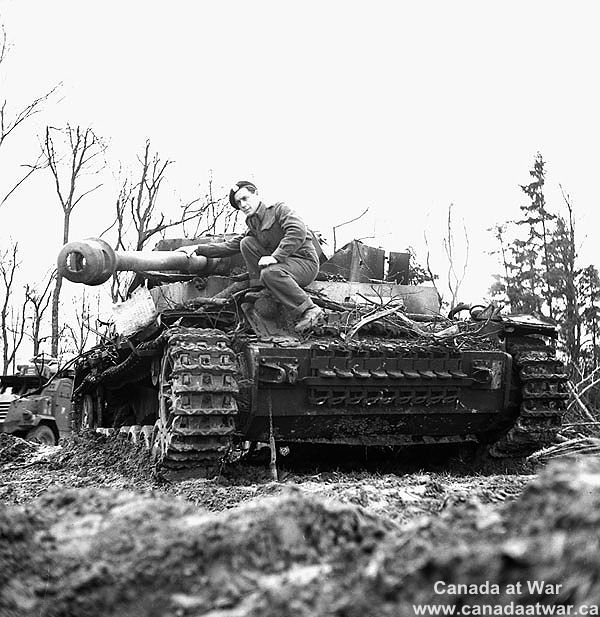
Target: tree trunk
[[547, 265], [55, 303], [36, 339], [4, 348], [56, 293]]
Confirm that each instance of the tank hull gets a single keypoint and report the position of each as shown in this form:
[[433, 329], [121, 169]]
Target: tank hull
[[370, 393]]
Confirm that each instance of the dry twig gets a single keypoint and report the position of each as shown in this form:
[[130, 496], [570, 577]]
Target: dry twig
[[581, 404], [572, 447]]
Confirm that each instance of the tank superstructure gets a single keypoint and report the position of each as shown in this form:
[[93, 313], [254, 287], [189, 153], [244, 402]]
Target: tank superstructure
[[210, 367]]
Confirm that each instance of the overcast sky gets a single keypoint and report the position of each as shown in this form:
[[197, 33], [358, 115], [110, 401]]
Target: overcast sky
[[333, 106]]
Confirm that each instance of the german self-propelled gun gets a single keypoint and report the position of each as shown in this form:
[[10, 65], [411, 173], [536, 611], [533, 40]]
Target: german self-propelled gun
[[197, 367]]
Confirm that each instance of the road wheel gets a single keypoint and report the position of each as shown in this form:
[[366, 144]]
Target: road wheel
[[42, 434]]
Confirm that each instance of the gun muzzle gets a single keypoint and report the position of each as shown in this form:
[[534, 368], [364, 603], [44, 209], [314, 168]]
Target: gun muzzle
[[93, 261]]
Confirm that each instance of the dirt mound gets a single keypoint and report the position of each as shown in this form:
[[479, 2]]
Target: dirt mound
[[550, 535], [293, 550], [80, 461], [109, 552], [91, 453], [14, 449], [566, 496]]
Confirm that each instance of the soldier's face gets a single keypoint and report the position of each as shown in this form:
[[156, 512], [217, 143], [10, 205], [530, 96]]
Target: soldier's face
[[247, 201]]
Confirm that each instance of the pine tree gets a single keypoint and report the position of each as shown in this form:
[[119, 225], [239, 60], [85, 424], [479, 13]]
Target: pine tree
[[524, 282], [527, 260], [562, 277], [542, 275], [533, 253]]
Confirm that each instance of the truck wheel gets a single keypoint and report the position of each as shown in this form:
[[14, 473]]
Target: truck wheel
[[42, 434]]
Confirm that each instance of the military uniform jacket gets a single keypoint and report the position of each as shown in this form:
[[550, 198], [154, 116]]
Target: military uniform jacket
[[277, 228]]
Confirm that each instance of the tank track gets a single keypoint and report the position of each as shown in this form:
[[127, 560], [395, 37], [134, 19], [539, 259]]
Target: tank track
[[197, 405], [542, 401]]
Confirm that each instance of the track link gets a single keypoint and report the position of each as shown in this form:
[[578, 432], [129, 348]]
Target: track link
[[543, 396], [197, 388]]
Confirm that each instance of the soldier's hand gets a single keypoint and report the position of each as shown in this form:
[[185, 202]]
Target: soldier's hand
[[268, 260], [201, 249], [188, 250]]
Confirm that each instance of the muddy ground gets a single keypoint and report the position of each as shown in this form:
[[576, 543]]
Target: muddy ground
[[88, 528]]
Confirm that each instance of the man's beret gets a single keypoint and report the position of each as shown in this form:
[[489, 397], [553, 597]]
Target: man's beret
[[236, 187]]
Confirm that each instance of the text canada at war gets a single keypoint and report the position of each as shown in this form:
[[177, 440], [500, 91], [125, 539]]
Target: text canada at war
[[492, 589]]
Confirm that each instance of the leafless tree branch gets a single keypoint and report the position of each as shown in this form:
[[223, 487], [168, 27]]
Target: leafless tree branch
[[11, 324], [32, 169], [10, 122], [8, 126], [428, 268], [39, 302], [335, 227], [455, 280]]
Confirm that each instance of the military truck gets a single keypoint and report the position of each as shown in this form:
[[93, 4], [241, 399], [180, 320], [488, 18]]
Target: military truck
[[35, 403], [202, 363]]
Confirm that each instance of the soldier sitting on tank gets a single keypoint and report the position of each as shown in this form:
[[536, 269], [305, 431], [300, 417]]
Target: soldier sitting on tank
[[278, 250]]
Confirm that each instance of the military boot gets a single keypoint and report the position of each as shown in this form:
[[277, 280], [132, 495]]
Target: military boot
[[309, 318]]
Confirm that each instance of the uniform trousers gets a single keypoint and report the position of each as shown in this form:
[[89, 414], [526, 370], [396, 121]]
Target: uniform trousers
[[284, 280]]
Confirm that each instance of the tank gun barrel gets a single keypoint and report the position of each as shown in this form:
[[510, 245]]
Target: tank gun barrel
[[93, 261]]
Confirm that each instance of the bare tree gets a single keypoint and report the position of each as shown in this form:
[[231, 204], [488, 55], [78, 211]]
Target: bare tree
[[10, 122], [138, 200], [79, 332], [454, 275], [212, 214], [12, 321], [138, 218], [39, 302], [141, 199], [83, 151], [431, 276], [455, 278]]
